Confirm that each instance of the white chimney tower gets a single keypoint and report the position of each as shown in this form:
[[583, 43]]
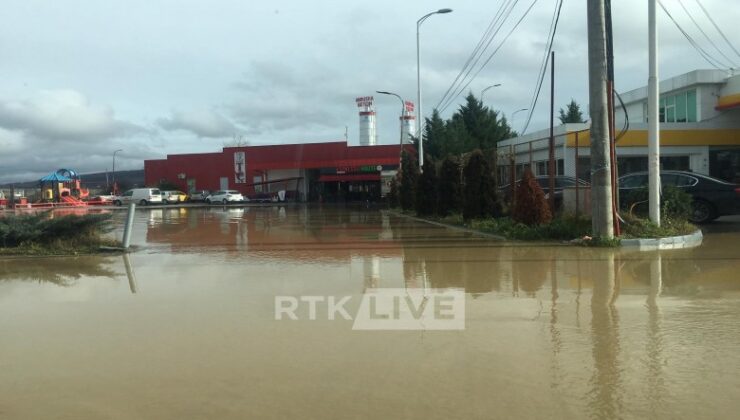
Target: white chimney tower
[[368, 132]]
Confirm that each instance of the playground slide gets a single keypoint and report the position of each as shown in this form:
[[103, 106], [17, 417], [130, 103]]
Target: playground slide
[[73, 201]]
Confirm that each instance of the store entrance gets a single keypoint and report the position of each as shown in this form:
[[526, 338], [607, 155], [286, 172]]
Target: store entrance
[[347, 192]]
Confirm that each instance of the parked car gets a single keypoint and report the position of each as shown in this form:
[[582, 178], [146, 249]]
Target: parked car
[[174, 196], [199, 195], [561, 181], [225, 197], [142, 196], [712, 197]]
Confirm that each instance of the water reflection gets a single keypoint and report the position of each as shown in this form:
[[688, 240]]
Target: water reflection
[[557, 331], [606, 393], [129, 273], [60, 271]]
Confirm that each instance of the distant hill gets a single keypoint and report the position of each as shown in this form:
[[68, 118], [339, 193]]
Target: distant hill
[[126, 179]]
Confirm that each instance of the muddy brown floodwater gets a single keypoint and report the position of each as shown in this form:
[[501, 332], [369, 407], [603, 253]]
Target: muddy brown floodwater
[[185, 327]]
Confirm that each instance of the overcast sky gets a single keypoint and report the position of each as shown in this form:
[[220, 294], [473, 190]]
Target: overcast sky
[[80, 79]]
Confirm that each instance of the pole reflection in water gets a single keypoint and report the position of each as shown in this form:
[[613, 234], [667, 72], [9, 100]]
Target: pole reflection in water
[[654, 348], [130, 273], [605, 386]]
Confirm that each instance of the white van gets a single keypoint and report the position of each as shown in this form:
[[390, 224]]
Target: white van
[[142, 196]]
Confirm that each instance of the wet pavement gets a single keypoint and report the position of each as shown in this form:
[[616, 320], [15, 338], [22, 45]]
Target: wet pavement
[[185, 327]]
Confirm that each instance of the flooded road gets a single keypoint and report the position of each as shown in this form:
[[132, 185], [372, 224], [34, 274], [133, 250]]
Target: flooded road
[[185, 327]]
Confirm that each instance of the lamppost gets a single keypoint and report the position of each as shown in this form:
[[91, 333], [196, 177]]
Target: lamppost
[[518, 111], [484, 90], [403, 108], [419, 113], [114, 167]]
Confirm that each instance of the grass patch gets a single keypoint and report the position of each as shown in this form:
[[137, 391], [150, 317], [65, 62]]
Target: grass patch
[[638, 228], [46, 234], [560, 229]]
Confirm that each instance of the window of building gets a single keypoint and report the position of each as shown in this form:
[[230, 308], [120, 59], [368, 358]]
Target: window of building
[[724, 163], [680, 107], [257, 180], [542, 168]]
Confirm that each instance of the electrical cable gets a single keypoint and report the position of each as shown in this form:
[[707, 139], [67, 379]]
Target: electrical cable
[[718, 29], [709, 59], [543, 67], [729, 60], [626, 125], [486, 39], [481, 67]]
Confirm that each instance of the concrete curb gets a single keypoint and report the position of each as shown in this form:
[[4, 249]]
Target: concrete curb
[[672, 242]]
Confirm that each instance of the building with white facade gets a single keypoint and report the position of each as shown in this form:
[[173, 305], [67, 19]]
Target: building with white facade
[[699, 131]]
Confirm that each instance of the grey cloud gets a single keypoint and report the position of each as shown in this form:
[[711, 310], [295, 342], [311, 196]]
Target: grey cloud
[[64, 115], [204, 123]]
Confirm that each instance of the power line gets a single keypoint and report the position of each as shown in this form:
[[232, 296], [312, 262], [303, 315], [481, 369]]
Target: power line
[[486, 36], [490, 57], [717, 28], [732, 64], [487, 39], [543, 66], [709, 59]]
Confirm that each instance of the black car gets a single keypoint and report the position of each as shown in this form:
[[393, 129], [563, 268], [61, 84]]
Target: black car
[[561, 181], [712, 197]]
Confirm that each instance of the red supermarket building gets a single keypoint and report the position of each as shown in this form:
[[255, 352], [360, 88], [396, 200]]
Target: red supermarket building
[[332, 171]]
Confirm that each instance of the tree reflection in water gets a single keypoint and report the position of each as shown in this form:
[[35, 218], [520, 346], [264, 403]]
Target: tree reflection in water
[[60, 271]]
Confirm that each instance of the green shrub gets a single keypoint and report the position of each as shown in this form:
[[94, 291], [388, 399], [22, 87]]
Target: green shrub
[[674, 202], [530, 206], [42, 228], [561, 228]]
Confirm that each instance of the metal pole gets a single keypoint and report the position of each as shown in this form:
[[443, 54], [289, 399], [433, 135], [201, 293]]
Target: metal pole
[[419, 113], [129, 225], [403, 107], [551, 169], [512, 172], [113, 175], [578, 191], [653, 121], [486, 90], [610, 104], [601, 206]]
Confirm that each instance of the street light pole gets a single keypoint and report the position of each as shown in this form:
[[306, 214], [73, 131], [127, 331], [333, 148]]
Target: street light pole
[[518, 111], [113, 175], [419, 113], [486, 89], [403, 107]]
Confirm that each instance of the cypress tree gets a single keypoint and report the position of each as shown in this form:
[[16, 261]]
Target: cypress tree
[[426, 189], [480, 198], [393, 193], [449, 187], [409, 174]]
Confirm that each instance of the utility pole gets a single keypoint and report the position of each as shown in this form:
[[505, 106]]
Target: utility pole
[[551, 160], [601, 189], [653, 122]]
